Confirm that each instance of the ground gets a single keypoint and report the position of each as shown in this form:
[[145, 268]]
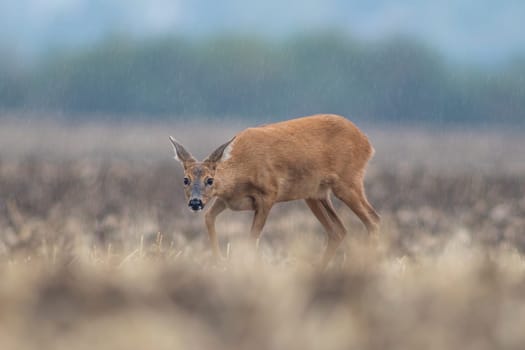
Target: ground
[[98, 248]]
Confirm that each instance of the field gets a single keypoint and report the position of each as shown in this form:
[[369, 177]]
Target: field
[[99, 251]]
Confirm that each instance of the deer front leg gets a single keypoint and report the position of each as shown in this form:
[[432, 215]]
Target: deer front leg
[[216, 208]]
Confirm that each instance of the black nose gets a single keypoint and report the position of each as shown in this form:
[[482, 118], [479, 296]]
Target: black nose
[[195, 204]]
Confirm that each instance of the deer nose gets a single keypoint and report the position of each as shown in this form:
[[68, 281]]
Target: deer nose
[[195, 204]]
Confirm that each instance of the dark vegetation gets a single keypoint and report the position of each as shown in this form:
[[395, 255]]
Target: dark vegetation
[[396, 79]]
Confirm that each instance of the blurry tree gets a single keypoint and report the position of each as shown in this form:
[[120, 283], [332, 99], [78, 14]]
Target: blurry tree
[[11, 82], [396, 79]]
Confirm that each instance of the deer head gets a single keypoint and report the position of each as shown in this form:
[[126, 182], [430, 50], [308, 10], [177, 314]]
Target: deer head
[[199, 176]]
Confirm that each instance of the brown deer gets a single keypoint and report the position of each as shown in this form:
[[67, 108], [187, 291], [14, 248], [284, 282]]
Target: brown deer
[[302, 158]]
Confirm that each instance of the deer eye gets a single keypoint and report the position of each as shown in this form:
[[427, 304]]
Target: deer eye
[[186, 181], [209, 181]]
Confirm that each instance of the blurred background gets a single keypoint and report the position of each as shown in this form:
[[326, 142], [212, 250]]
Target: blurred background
[[98, 249], [450, 62]]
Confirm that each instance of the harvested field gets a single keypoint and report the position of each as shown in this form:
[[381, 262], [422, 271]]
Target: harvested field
[[98, 249]]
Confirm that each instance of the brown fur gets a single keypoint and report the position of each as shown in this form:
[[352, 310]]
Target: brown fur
[[303, 158]]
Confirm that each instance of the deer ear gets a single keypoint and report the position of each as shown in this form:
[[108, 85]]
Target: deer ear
[[221, 153], [181, 154]]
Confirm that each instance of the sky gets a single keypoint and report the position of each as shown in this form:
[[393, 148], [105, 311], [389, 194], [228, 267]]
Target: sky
[[478, 31]]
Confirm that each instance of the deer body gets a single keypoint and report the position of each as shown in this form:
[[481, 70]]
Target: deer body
[[304, 158]]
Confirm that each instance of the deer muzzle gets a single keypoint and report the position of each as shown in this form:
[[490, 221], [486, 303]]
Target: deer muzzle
[[196, 204]]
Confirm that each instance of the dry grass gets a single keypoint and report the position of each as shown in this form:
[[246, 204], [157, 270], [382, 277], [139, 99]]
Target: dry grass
[[97, 249]]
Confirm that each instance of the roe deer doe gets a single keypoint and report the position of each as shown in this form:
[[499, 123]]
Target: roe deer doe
[[302, 158]]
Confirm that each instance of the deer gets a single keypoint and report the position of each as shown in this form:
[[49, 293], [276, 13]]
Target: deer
[[306, 158]]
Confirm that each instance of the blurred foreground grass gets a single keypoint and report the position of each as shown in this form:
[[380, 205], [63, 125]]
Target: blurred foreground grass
[[97, 249], [463, 297]]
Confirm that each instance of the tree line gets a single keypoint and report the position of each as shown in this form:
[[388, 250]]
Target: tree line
[[396, 79]]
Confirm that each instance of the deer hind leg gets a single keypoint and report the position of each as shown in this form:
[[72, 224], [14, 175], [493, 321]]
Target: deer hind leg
[[354, 197], [325, 213], [262, 210]]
